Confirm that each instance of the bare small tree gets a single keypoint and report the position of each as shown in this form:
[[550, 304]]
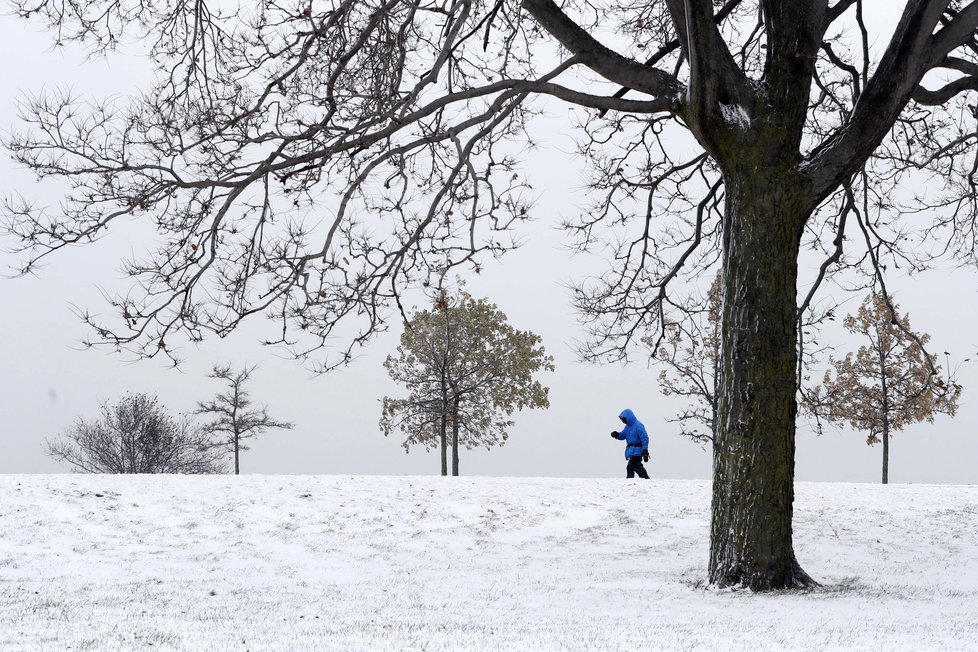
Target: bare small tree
[[136, 435], [234, 418], [888, 383], [466, 370]]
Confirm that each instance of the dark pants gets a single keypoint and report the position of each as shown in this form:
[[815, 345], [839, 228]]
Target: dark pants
[[635, 466]]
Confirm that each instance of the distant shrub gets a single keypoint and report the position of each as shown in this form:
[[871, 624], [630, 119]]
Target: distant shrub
[[136, 435]]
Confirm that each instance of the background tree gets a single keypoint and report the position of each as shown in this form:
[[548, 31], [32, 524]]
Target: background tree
[[690, 357], [752, 127], [235, 420], [889, 383], [466, 371], [136, 435]]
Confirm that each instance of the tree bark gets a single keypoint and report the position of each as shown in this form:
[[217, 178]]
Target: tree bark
[[753, 455], [444, 444], [236, 385], [886, 414], [455, 438], [886, 450]]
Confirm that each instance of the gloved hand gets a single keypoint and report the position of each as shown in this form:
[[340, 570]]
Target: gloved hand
[[614, 434], [645, 455]]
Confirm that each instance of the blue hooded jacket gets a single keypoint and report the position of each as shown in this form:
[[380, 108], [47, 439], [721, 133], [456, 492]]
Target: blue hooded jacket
[[633, 434]]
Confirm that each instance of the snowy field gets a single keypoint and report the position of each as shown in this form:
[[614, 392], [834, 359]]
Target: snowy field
[[415, 563]]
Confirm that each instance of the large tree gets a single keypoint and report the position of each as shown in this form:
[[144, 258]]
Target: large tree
[[889, 382], [466, 370], [135, 435], [737, 131]]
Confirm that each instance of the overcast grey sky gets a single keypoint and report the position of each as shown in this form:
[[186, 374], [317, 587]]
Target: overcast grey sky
[[46, 380]]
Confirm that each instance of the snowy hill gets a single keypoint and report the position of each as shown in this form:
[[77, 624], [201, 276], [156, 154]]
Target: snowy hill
[[417, 563]]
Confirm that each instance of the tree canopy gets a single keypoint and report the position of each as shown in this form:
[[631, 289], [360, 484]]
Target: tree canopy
[[888, 383], [466, 370]]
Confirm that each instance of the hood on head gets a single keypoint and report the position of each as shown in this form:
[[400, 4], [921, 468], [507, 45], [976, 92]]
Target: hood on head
[[628, 415]]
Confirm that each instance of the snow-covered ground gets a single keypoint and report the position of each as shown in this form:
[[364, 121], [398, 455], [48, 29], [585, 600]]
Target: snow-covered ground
[[415, 563]]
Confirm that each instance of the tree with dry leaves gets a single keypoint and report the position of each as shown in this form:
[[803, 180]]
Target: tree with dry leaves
[[234, 418], [315, 162], [135, 435], [888, 383], [690, 357], [466, 370]]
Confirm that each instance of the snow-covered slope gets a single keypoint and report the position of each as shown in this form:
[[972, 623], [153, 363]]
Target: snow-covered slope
[[392, 563]]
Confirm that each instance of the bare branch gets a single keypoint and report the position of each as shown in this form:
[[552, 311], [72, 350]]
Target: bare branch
[[886, 93], [943, 94], [674, 44], [599, 58], [836, 11], [955, 33]]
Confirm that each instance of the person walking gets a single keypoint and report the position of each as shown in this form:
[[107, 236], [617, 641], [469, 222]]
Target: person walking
[[637, 444]]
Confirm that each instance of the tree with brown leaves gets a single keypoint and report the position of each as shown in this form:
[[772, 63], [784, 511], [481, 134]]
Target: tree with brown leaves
[[466, 371], [888, 383], [690, 357]]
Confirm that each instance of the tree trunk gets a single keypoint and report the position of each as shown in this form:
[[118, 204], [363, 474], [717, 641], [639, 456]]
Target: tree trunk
[[235, 402], [455, 438], [886, 450], [886, 415], [753, 454], [444, 444]]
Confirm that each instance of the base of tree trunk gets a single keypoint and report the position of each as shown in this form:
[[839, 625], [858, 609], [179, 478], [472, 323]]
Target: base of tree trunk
[[793, 578]]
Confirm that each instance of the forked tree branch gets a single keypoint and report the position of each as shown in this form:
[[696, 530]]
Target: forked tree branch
[[674, 44], [906, 59], [601, 59], [715, 79]]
